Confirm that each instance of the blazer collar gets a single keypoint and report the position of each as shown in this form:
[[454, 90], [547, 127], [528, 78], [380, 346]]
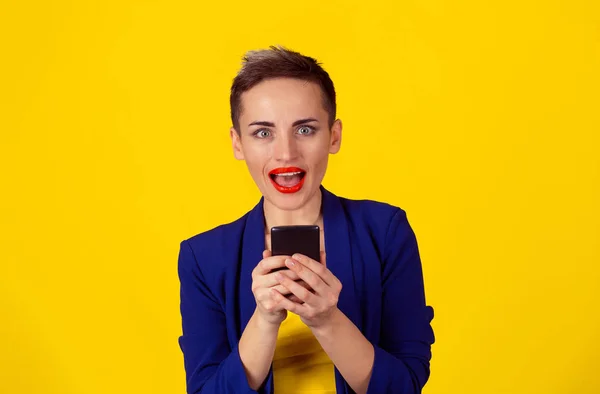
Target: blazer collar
[[338, 253], [337, 247], [253, 245]]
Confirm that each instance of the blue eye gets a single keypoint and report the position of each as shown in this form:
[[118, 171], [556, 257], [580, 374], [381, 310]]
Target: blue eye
[[262, 133], [306, 130]]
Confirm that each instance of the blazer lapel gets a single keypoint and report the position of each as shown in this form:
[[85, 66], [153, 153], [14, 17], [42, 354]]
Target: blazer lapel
[[252, 247], [338, 253]]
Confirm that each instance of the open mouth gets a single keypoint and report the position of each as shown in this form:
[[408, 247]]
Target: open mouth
[[287, 179]]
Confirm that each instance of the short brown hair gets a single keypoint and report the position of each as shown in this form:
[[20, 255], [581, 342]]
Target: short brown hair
[[279, 62]]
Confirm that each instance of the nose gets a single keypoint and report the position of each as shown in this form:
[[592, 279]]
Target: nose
[[285, 148]]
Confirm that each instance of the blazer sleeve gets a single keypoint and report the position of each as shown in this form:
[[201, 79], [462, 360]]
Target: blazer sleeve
[[402, 356], [211, 366]]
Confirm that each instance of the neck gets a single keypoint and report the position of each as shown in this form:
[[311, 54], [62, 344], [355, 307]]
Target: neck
[[308, 214]]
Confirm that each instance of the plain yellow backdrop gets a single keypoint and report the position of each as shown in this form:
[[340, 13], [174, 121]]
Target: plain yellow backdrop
[[479, 118]]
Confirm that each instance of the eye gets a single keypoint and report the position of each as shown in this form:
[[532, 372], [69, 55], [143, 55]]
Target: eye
[[305, 130], [262, 133]]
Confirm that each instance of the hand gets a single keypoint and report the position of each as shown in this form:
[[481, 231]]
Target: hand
[[265, 285], [318, 305]]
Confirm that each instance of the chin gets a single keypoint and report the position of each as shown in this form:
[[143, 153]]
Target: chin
[[291, 201]]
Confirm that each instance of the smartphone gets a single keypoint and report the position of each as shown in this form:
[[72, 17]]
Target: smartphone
[[287, 240]]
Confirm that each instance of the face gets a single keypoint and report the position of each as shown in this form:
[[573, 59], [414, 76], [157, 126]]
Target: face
[[285, 139]]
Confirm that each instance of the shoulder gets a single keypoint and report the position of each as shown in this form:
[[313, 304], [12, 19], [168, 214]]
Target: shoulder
[[219, 236], [381, 224], [211, 251], [377, 216]]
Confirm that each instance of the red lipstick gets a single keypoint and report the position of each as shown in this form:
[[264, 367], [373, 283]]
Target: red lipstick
[[287, 179]]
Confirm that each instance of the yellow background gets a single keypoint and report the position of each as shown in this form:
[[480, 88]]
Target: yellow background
[[480, 119]]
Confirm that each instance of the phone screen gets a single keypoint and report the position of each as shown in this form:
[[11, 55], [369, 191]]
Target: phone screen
[[287, 240]]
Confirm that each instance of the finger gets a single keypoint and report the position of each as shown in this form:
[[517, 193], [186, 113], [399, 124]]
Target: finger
[[285, 291], [287, 294], [307, 275], [293, 298], [266, 253], [336, 282], [298, 290], [269, 280], [266, 300], [286, 303], [282, 289], [290, 274], [316, 267], [268, 264], [305, 285]]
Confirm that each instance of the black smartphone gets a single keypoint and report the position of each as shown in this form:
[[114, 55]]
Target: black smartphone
[[287, 240]]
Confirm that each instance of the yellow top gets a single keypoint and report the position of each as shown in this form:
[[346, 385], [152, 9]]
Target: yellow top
[[300, 365]]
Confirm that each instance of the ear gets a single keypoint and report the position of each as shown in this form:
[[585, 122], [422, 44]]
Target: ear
[[236, 144], [335, 141]]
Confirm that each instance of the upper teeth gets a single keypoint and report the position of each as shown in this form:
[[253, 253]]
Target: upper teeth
[[289, 173]]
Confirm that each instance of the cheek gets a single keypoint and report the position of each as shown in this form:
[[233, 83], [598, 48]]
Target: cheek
[[319, 156], [255, 157]]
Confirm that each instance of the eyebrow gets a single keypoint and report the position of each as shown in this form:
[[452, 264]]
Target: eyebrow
[[271, 124]]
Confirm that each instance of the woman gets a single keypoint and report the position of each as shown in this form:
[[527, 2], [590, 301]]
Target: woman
[[356, 321]]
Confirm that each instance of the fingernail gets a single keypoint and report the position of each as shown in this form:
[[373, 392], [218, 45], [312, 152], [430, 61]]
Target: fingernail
[[289, 263], [297, 257], [278, 276]]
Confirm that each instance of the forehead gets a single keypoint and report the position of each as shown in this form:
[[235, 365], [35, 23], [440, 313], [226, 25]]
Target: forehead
[[282, 99]]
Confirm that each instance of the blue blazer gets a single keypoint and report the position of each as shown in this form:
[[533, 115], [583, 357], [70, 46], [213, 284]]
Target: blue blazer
[[371, 249]]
